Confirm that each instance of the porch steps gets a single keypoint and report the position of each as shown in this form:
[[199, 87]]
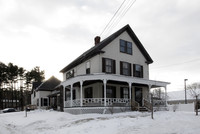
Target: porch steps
[[143, 109]]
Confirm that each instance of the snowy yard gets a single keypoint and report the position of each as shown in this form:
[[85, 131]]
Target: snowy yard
[[52, 122]]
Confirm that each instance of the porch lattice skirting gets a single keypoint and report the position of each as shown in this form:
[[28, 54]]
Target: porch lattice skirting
[[98, 110]]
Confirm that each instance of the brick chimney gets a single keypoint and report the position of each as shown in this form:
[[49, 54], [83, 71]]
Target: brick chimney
[[97, 40]]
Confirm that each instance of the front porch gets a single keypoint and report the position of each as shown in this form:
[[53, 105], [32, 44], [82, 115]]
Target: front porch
[[102, 92]]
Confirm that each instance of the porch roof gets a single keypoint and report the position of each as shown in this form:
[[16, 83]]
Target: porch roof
[[114, 77]]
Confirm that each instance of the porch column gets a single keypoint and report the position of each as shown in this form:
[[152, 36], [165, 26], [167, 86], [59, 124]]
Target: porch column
[[149, 94], [71, 89], [130, 86], [165, 95], [104, 86], [81, 93], [63, 95]]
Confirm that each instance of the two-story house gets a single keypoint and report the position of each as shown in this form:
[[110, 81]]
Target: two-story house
[[110, 76]]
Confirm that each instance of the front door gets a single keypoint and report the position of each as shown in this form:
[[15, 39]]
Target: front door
[[138, 95]]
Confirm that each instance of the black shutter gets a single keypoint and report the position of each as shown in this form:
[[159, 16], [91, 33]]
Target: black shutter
[[103, 65], [133, 69], [114, 67], [102, 91], [91, 91], [121, 67], [41, 101], [121, 92], [130, 73], [114, 92], [142, 72]]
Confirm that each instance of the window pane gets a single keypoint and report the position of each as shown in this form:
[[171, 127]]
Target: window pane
[[129, 51], [129, 45], [108, 62], [125, 65], [138, 68], [88, 64]]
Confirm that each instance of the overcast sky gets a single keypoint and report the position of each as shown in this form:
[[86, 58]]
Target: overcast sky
[[46, 33]]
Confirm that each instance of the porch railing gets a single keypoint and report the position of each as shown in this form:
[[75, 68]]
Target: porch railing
[[93, 102]]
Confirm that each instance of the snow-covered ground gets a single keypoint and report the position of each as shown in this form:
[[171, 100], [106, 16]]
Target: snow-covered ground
[[52, 122]]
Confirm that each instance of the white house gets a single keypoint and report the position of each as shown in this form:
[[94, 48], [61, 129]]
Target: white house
[[44, 93], [110, 76]]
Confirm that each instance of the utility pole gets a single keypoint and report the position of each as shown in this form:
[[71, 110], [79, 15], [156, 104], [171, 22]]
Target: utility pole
[[151, 106], [185, 91]]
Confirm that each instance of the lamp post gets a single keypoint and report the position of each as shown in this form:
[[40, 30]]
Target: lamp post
[[185, 91]]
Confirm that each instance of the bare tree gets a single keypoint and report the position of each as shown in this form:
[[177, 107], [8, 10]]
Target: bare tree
[[195, 93]]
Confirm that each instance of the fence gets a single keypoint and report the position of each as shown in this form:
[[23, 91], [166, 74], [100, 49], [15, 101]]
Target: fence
[[182, 107]]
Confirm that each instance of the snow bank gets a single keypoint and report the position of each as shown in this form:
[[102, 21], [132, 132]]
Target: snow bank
[[51, 122]]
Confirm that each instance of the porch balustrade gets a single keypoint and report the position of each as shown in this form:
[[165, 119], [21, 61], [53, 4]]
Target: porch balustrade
[[98, 102]]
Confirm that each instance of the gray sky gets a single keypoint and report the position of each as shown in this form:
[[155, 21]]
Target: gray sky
[[46, 33]]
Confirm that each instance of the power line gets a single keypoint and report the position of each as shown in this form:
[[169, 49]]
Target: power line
[[122, 14], [113, 17], [122, 10], [177, 63]]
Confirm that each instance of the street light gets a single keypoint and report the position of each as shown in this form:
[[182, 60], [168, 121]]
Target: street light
[[185, 91]]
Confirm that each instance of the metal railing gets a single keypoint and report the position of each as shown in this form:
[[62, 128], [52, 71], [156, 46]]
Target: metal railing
[[147, 104]]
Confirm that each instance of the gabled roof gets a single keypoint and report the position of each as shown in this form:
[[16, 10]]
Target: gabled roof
[[98, 48], [35, 85], [49, 84]]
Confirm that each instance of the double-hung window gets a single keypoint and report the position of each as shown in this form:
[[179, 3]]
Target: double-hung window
[[88, 92], [108, 65], [44, 101], [125, 47], [125, 68], [88, 67], [138, 70], [110, 92], [124, 92]]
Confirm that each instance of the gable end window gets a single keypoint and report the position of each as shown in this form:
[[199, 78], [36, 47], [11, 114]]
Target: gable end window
[[125, 47], [137, 70], [125, 68], [108, 65]]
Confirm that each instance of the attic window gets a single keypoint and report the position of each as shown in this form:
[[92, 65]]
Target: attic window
[[125, 47]]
